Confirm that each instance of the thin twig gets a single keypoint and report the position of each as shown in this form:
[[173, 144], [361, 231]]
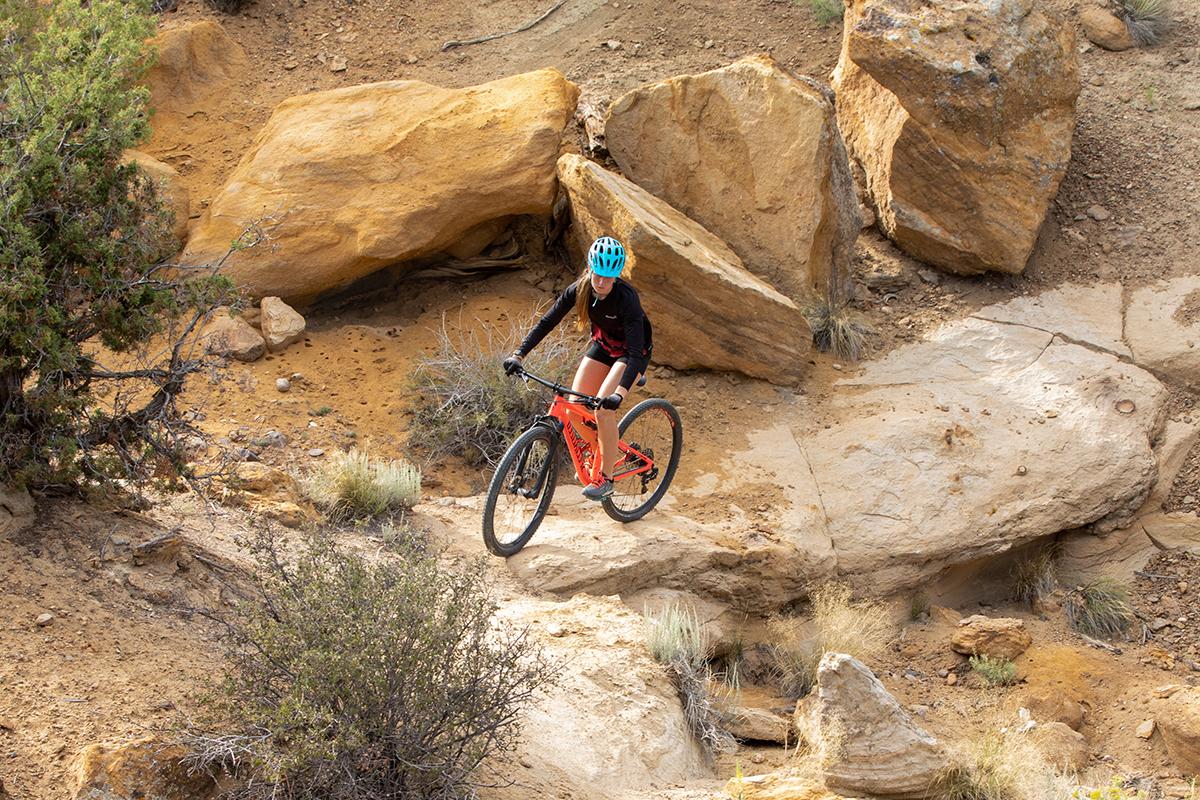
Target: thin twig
[[480, 39], [1102, 645]]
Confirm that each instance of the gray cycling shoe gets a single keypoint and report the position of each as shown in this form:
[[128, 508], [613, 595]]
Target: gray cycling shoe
[[599, 491]]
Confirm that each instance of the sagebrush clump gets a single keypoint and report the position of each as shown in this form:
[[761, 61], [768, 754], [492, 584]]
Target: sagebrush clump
[[862, 629], [358, 677], [353, 486], [827, 12], [464, 405]]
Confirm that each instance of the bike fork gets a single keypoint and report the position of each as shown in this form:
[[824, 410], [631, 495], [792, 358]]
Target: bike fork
[[543, 471]]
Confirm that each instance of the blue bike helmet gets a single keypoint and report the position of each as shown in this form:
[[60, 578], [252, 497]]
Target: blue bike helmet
[[606, 257]]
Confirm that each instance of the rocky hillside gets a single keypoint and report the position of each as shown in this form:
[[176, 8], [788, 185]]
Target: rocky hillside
[[1001, 190]]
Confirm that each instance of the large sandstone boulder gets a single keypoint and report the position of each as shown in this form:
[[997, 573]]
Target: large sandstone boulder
[[1162, 326], [1061, 746], [754, 155], [868, 743], [146, 769], [612, 723], [1179, 722], [961, 115], [355, 179], [996, 637], [173, 194], [706, 308], [196, 63]]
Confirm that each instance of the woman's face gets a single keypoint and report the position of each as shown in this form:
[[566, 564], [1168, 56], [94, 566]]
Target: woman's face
[[601, 285]]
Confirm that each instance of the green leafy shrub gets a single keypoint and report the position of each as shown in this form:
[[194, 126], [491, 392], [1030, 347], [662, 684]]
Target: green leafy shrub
[[353, 486], [1100, 608], [1146, 20], [837, 328], [360, 678], [677, 640], [95, 334], [839, 624], [997, 671], [464, 403]]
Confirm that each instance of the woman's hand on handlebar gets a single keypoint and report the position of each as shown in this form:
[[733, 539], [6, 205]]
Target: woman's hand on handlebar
[[512, 364]]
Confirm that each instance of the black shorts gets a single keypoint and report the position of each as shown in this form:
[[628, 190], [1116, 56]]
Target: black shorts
[[596, 352]]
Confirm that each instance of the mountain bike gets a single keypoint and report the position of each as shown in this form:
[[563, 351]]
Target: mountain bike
[[520, 492]]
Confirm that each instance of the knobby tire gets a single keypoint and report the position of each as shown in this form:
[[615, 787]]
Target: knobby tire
[[497, 488]]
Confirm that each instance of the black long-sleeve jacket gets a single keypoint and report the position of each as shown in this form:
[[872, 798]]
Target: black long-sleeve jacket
[[618, 324]]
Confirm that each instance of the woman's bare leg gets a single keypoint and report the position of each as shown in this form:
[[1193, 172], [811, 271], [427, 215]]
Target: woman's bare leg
[[606, 421]]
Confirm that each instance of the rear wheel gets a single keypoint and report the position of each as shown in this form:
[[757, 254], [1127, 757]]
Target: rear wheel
[[520, 491], [654, 429]]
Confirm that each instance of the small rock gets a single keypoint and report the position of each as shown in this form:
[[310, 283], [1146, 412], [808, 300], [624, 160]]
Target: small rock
[[951, 679], [275, 439], [929, 276], [709, 44], [554, 629], [410, 59], [283, 384], [1098, 213], [44, 619], [1158, 623], [337, 64], [757, 758], [1145, 730], [297, 377], [614, 44], [942, 673], [1183, 587], [291, 65], [316, 452], [1104, 29]]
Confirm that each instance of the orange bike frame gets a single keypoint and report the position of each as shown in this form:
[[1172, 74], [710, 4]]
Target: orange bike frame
[[579, 432]]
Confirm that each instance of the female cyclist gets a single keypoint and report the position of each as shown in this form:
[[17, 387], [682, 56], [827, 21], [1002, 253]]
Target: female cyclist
[[619, 351]]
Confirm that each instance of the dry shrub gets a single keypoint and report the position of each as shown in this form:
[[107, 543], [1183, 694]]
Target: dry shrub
[[227, 6], [1034, 577], [1146, 20], [353, 486], [862, 629], [837, 328], [827, 12], [357, 678], [1100, 608], [677, 640], [464, 403], [1001, 765]]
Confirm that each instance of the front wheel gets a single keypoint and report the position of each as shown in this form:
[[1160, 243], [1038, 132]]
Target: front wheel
[[654, 429], [520, 491]]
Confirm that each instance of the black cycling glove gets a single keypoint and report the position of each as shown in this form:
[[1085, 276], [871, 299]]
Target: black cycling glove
[[612, 402]]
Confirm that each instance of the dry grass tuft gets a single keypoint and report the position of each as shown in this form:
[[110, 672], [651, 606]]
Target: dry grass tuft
[[1100, 608], [862, 629], [837, 328], [677, 640], [1146, 20], [1002, 765], [1033, 577], [997, 671], [353, 486]]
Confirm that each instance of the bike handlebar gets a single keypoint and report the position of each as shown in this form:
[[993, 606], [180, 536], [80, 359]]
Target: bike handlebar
[[588, 400]]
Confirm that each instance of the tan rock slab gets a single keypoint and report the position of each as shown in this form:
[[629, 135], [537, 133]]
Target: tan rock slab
[[196, 61], [996, 637], [1085, 556], [1179, 723], [1052, 704], [706, 308], [145, 769], [17, 513], [868, 743], [753, 154], [1177, 530], [351, 180], [1162, 326], [280, 324], [1105, 29], [781, 785], [1061, 746], [171, 191], [233, 337], [1088, 315], [982, 90], [758, 725], [1145, 730]]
